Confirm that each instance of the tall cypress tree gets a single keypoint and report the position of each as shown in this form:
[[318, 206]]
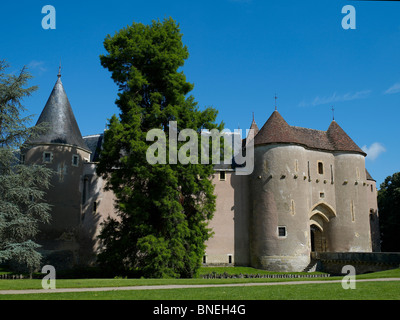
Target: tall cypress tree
[[22, 187], [163, 208]]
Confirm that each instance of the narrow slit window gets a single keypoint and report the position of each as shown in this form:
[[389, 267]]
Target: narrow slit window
[[222, 175], [320, 168], [353, 216], [292, 208]]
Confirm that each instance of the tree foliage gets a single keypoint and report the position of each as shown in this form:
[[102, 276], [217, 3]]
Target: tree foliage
[[22, 187], [163, 208], [389, 213]]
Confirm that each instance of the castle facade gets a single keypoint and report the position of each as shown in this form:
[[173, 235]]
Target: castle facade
[[309, 191]]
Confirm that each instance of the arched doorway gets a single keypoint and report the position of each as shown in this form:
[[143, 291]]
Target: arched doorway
[[320, 215], [318, 239]]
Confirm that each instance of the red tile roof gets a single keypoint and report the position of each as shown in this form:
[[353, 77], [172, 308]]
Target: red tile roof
[[276, 130]]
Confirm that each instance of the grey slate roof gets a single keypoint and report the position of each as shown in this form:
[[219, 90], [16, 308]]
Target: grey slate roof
[[58, 114], [94, 143]]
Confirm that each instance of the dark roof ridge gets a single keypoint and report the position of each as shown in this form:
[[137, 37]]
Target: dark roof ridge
[[297, 127]]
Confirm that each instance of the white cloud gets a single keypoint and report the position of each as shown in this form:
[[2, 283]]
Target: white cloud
[[37, 65], [336, 98], [374, 150], [393, 89]]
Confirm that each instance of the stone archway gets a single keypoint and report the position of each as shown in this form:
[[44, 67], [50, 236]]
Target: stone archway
[[320, 215]]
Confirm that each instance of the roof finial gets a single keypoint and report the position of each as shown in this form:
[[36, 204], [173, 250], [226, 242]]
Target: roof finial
[[253, 116], [275, 101], [333, 113], [59, 70]]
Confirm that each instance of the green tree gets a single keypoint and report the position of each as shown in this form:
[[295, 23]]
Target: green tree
[[22, 187], [164, 209], [389, 213]]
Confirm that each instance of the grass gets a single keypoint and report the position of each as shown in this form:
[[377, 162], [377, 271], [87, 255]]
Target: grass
[[328, 291], [364, 290]]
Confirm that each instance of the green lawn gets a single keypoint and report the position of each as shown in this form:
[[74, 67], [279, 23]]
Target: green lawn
[[311, 291], [328, 291]]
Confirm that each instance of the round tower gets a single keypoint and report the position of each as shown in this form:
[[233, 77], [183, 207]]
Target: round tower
[[62, 149], [350, 230], [279, 224]]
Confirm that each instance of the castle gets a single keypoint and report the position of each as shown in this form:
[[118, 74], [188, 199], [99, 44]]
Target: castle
[[309, 191]]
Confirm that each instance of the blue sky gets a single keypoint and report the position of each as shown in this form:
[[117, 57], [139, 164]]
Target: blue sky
[[242, 52]]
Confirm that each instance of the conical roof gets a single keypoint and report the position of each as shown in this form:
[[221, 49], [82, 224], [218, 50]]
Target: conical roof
[[254, 126], [60, 119], [340, 140], [275, 130]]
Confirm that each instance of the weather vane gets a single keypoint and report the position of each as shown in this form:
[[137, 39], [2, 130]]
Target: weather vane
[[275, 101], [333, 113]]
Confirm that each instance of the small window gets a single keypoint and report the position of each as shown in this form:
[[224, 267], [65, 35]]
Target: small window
[[47, 157], [94, 207], [75, 160], [204, 259], [372, 188], [222, 175], [322, 195], [229, 258], [320, 168], [282, 232]]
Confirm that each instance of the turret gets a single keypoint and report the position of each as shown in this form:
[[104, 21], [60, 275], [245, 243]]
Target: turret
[[62, 149]]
